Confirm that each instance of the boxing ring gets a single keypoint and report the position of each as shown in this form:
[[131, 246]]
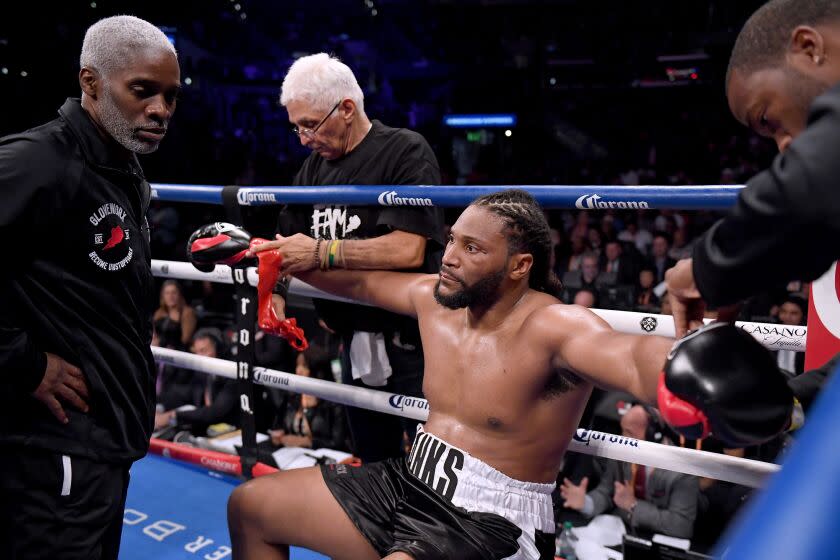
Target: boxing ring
[[789, 487]]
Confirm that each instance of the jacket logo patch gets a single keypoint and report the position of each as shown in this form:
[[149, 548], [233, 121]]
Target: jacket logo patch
[[110, 251]]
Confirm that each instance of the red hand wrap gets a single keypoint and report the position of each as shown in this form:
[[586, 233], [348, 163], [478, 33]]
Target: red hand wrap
[[269, 273], [683, 416]]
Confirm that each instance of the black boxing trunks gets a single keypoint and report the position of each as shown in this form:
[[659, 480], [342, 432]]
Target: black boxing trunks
[[442, 503]]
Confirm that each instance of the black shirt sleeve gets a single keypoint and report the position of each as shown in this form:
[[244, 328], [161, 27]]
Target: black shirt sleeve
[[786, 222], [30, 178], [416, 165]]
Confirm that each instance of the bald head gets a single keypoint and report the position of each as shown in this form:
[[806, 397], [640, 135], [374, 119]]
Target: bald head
[[787, 54], [765, 38], [634, 423], [111, 43]]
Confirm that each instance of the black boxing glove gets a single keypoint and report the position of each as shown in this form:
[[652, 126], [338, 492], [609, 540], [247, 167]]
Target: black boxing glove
[[217, 243], [720, 381]]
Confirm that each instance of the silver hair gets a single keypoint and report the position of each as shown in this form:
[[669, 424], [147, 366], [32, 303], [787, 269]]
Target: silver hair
[[112, 41], [322, 80]]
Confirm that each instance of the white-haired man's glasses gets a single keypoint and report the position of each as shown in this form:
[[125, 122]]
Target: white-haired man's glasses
[[310, 132]]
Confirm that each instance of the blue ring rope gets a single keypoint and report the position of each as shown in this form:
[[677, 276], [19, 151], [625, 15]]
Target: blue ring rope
[[585, 197]]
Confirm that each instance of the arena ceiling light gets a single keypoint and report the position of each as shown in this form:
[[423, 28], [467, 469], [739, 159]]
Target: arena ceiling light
[[492, 120]]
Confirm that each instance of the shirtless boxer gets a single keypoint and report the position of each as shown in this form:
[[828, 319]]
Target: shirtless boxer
[[508, 373]]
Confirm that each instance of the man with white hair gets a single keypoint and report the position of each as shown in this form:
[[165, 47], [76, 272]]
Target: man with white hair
[[381, 349], [77, 385]]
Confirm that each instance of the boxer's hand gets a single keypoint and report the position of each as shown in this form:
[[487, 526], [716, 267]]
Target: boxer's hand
[[574, 496], [279, 305], [721, 381], [62, 381], [686, 305]]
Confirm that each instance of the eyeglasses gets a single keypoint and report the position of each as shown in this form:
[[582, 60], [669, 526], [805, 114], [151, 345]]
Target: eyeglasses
[[310, 132]]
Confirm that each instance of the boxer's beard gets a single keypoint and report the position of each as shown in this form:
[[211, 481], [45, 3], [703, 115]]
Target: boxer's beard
[[483, 293], [121, 129]]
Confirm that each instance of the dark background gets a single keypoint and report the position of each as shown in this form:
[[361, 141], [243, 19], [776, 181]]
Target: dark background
[[587, 81]]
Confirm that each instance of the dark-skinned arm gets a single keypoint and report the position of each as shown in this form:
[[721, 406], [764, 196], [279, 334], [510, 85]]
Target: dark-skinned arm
[[609, 359]]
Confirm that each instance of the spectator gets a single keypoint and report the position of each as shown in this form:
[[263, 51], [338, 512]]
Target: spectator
[[589, 270], [586, 297], [309, 421], [646, 299], [219, 399], [620, 267], [648, 500], [596, 240], [659, 259], [174, 323], [640, 237], [682, 246], [579, 248], [174, 320], [792, 312], [609, 228]]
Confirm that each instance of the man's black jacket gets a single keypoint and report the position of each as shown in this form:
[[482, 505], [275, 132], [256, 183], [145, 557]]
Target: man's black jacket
[[786, 223], [76, 282]]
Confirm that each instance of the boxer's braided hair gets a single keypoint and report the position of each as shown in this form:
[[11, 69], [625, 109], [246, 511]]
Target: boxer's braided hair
[[527, 232]]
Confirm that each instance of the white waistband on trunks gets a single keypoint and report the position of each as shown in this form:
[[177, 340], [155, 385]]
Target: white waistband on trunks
[[473, 485]]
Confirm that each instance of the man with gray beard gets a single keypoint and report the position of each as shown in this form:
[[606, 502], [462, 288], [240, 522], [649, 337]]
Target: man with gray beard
[[76, 371]]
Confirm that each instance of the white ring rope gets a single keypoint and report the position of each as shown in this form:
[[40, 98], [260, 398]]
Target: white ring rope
[[699, 463], [774, 337]]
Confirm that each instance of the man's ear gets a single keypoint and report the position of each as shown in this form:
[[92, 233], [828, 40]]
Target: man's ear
[[349, 111], [90, 82], [806, 49], [522, 263]]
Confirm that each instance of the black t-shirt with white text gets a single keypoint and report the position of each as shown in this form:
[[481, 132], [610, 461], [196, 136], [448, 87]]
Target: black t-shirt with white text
[[386, 156]]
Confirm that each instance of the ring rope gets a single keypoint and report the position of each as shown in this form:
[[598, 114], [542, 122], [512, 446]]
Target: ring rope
[[772, 336], [583, 197], [747, 472]]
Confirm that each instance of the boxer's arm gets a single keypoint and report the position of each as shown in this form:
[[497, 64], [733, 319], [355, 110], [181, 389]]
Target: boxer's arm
[[612, 360], [774, 231], [399, 292]]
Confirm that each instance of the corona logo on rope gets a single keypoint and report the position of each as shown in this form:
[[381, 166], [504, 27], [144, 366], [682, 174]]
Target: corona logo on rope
[[594, 202], [585, 436], [248, 197], [401, 402], [391, 198], [273, 379]]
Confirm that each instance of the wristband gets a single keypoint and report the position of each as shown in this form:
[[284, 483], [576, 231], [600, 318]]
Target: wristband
[[332, 251]]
